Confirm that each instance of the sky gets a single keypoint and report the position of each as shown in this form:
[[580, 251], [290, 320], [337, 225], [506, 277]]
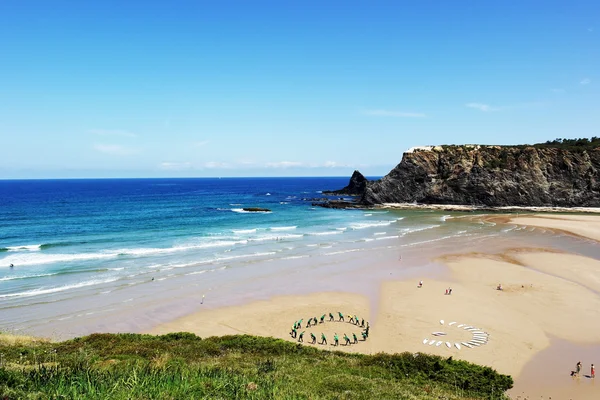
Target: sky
[[285, 88]]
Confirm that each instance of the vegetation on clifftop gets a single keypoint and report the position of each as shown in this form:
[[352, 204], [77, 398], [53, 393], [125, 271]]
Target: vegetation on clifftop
[[575, 145], [181, 365]]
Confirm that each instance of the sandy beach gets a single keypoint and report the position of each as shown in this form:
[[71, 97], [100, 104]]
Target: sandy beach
[[547, 297]]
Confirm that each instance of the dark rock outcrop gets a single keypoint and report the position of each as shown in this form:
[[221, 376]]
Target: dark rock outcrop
[[491, 176], [256, 209], [356, 187]]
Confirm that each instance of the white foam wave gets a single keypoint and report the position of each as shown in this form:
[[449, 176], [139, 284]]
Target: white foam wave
[[364, 225], [387, 237], [29, 258], [295, 257], [41, 291], [368, 215], [342, 229], [274, 237], [10, 278], [283, 228], [39, 258], [443, 218], [197, 272], [242, 211], [243, 231], [325, 233], [379, 233], [268, 194], [29, 247], [235, 204], [414, 230], [341, 252]]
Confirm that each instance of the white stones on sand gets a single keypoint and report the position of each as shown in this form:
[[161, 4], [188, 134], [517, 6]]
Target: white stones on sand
[[479, 337]]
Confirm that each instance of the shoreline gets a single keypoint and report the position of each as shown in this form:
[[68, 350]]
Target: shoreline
[[472, 208]]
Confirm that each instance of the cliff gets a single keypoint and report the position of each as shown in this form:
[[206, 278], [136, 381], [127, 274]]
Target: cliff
[[491, 176]]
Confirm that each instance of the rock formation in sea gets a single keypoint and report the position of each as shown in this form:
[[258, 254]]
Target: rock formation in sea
[[356, 187], [493, 176]]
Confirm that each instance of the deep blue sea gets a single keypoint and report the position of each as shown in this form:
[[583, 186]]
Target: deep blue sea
[[124, 254], [85, 232]]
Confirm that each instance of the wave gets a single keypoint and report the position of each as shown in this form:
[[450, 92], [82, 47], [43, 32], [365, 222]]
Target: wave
[[424, 228], [365, 225], [244, 231], [341, 252], [295, 257], [28, 247], [443, 218], [20, 259], [11, 278], [242, 211], [268, 194], [41, 291], [368, 215], [326, 233], [342, 229], [282, 228], [235, 204], [379, 233], [275, 237], [387, 237]]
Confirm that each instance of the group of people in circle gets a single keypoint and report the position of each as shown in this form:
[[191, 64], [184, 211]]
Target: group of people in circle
[[352, 319]]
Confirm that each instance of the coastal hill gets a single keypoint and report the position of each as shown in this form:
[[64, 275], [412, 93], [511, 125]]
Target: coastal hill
[[559, 173], [183, 366]]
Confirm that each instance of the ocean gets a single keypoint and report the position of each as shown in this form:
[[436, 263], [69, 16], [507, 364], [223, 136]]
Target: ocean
[[120, 255]]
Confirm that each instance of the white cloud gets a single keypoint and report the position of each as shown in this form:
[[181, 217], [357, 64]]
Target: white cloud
[[585, 81], [390, 113], [284, 164], [482, 107], [114, 149], [175, 166], [216, 164], [112, 132], [201, 143]]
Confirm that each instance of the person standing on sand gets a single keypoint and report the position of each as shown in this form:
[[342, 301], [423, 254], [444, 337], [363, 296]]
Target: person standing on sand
[[313, 338], [578, 368], [300, 323], [364, 335], [355, 320], [331, 317], [322, 318], [341, 316], [336, 339], [350, 319], [592, 372], [356, 339], [323, 338], [347, 339], [301, 337], [362, 323]]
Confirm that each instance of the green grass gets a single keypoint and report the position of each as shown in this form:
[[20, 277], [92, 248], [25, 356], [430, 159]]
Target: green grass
[[183, 366]]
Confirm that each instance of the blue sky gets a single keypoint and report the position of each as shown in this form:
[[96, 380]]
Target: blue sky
[[280, 88]]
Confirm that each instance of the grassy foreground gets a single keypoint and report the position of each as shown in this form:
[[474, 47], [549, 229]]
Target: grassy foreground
[[184, 366]]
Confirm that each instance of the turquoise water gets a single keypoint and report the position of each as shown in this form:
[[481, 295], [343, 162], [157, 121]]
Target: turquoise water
[[124, 255]]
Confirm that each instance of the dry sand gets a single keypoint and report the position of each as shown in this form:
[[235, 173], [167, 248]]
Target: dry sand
[[546, 296]]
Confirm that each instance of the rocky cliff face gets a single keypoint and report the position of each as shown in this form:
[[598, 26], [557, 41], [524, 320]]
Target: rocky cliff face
[[491, 176]]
